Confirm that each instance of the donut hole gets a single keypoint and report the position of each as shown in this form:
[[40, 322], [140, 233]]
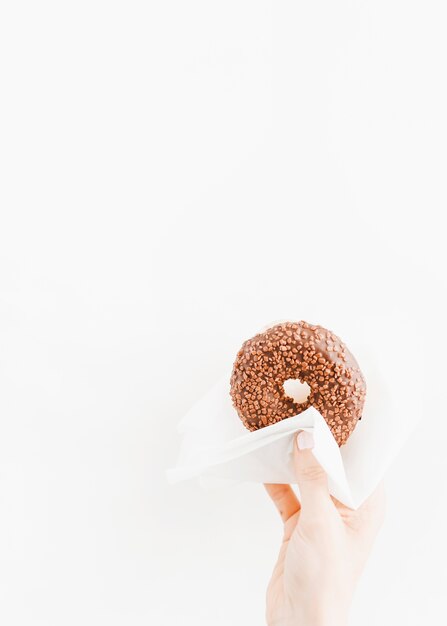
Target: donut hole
[[295, 389]]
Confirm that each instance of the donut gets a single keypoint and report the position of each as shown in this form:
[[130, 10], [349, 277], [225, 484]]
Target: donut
[[311, 354]]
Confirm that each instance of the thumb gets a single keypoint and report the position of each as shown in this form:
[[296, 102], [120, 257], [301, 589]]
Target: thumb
[[310, 476]]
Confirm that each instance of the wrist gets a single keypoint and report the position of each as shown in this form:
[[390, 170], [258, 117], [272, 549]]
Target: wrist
[[323, 619], [318, 615], [318, 618]]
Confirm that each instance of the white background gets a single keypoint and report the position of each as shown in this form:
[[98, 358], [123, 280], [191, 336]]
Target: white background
[[170, 172]]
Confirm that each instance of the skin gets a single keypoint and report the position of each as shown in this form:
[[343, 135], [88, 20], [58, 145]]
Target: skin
[[324, 548]]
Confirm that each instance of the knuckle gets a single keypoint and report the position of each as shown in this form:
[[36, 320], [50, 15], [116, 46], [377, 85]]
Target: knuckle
[[281, 491], [355, 520], [315, 528], [312, 473]]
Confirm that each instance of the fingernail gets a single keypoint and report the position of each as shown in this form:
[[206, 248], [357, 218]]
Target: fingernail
[[305, 440]]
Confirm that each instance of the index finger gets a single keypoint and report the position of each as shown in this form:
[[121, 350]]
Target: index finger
[[284, 499]]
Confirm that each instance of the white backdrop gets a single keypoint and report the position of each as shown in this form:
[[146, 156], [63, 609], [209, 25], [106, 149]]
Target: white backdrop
[[175, 175]]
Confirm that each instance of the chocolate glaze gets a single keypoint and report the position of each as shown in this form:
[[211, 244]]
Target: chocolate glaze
[[305, 352]]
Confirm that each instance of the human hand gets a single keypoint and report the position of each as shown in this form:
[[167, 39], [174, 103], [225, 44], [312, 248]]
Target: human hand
[[325, 547]]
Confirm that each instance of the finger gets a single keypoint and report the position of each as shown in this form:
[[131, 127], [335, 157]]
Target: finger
[[366, 518], [373, 509], [349, 516], [311, 477], [284, 499], [341, 508]]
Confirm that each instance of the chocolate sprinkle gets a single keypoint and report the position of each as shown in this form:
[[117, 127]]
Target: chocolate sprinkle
[[311, 354]]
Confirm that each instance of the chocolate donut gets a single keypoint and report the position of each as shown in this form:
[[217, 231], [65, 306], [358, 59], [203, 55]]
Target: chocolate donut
[[311, 354]]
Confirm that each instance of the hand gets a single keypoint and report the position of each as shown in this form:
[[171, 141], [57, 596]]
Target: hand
[[324, 549]]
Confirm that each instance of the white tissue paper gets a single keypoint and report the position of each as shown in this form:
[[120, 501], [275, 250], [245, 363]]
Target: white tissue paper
[[217, 448]]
